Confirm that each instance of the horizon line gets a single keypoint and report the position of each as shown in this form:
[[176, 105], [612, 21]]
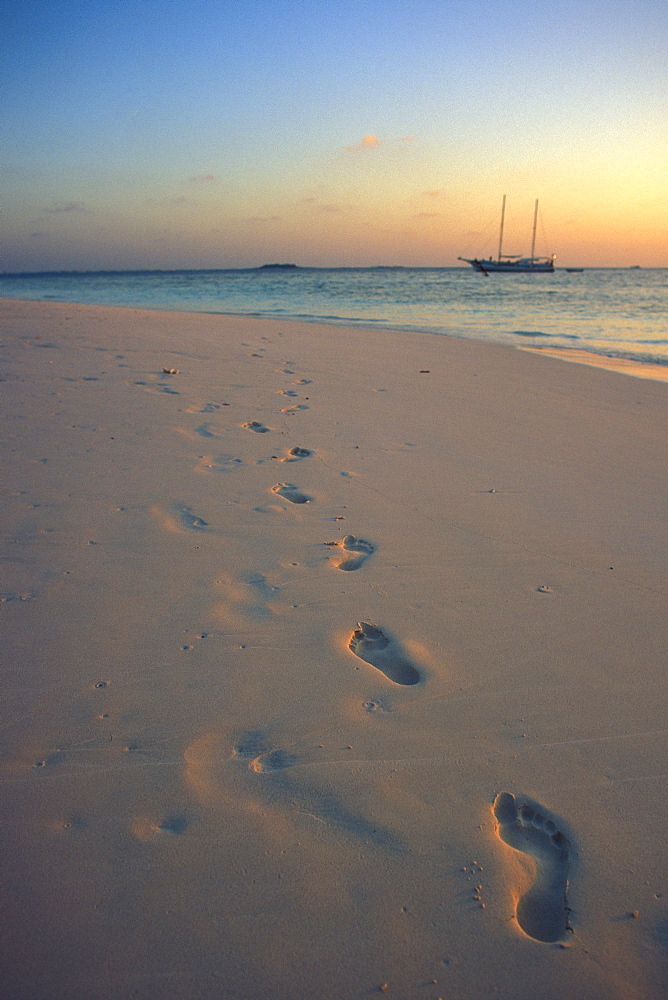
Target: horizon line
[[310, 267]]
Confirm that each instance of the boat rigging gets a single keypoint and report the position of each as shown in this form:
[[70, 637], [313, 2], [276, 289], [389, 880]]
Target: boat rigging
[[513, 263]]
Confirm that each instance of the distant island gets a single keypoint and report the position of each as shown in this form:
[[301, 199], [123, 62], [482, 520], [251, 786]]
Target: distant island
[[273, 267]]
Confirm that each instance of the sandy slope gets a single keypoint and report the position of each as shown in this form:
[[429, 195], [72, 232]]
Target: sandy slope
[[206, 792]]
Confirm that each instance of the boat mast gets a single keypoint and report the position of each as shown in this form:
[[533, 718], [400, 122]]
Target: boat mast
[[503, 213], [535, 220]]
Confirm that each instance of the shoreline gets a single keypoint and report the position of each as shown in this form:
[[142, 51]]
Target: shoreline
[[652, 370], [333, 663], [623, 366]]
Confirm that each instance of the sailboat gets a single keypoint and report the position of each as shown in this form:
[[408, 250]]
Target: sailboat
[[514, 263]]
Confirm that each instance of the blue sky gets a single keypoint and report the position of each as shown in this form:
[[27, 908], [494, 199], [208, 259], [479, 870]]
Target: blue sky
[[211, 134]]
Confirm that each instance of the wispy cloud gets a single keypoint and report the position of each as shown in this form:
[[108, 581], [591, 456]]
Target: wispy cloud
[[202, 179], [371, 141], [368, 142], [71, 206], [329, 207]]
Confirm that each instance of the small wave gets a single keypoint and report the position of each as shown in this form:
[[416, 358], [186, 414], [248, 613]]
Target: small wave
[[643, 359], [540, 333], [635, 356], [323, 317]]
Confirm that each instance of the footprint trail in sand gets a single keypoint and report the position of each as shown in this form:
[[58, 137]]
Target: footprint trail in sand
[[542, 912], [372, 645], [353, 552]]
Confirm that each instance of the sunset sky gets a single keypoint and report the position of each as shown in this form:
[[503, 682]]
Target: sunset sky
[[232, 133]]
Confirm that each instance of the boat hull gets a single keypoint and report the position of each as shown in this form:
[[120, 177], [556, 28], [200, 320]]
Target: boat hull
[[525, 266]]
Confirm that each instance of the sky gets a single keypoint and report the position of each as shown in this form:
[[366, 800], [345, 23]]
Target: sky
[[231, 133]]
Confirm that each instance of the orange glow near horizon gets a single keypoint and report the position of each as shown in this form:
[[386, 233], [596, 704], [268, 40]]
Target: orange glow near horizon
[[272, 136]]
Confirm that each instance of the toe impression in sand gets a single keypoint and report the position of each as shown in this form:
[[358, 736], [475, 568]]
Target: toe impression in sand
[[373, 646], [542, 912]]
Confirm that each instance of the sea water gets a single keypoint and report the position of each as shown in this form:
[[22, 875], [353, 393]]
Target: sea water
[[616, 312]]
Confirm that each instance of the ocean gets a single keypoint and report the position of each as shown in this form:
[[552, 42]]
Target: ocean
[[616, 312]]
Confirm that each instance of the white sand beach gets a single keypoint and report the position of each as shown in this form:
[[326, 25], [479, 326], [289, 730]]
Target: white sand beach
[[333, 665]]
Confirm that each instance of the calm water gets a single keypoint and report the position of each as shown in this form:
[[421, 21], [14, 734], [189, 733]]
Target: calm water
[[615, 312]]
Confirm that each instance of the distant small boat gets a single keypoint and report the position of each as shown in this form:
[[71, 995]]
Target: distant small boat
[[575, 270], [513, 263]]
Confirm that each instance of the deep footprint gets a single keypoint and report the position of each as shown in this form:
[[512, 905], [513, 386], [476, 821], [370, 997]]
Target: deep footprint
[[373, 646], [255, 425], [355, 552], [543, 912], [296, 453], [290, 492]]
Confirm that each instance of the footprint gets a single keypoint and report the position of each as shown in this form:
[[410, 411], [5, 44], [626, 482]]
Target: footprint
[[373, 646], [373, 705], [290, 492], [147, 828], [355, 552], [254, 748], [190, 520], [219, 463], [542, 912], [295, 454], [255, 425], [205, 431], [206, 408], [251, 598], [179, 517]]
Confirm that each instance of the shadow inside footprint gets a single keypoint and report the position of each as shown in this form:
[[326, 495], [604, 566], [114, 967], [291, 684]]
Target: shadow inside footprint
[[273, 760], [355, 552], [255, 425], [373, 646], [290, 492], [296, 453], [176, 824], [204, 431], [542, 912], [251, 744], [190, 520]]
